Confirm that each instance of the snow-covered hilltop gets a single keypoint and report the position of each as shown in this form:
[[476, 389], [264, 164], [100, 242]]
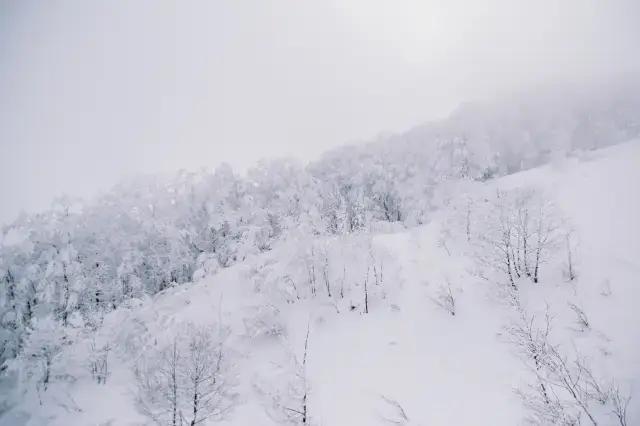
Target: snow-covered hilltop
[[417, 279]]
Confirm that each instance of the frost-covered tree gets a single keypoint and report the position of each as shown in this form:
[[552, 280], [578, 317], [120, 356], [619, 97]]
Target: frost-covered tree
[[38, 364], [189, 381], [565, 389], [518, 234]]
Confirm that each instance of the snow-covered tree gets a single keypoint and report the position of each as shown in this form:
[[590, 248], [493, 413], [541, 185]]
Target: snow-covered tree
[[518, 234], [38, 364], [190, 380]]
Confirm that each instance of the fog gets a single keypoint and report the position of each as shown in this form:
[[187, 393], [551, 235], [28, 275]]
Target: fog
[[91, 92]]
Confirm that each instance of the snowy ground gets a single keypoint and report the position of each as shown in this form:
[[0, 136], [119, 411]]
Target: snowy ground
[[442, 369]]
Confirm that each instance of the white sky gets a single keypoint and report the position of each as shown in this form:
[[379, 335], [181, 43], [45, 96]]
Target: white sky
[[91, 92]]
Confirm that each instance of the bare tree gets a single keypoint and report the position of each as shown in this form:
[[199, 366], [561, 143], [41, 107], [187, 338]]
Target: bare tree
[[619, 404], [566, 387], [547, 235], [344, 278], [366, 291], [523, 224], [445, 232], [158, 387], [207, 384], [370, 259], [581, 319], [445, 299], [377, 264], [468, 218], [495, 245], [570, 269], [190, 382], [544, 399], [311, 270], [400, 416], [531, 341], [290, 406], [325, 253]]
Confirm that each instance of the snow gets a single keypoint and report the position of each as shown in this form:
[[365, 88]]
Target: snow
[[442, 369]]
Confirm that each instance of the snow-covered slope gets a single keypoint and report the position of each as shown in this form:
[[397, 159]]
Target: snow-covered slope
[[442, 369]]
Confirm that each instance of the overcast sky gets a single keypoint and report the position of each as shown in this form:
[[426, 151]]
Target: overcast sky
[[94, 91]]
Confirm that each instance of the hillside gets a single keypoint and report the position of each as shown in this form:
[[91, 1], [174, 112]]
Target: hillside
[[408, 217], [397, 343]]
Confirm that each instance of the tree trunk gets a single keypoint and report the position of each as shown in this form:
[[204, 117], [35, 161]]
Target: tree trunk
[[511, 281], [537, 267], [366, 293], [195, 407]]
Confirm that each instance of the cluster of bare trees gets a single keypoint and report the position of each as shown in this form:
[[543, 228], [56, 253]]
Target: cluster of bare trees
[[190, 381], [98, 360], [565, 389], [521, 232], [350, 272]]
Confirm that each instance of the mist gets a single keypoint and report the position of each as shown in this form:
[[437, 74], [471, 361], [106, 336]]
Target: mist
[[94, 92]]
